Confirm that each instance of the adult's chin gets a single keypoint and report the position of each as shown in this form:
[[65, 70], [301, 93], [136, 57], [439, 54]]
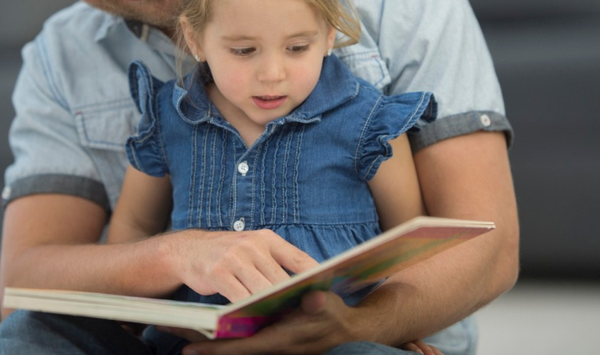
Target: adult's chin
[[159, 13]]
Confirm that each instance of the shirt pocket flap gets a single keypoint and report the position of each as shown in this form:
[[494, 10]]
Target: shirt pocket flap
[[109, 127], [367, 65]]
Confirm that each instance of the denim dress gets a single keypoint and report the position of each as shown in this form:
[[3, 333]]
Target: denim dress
[[306, 177]]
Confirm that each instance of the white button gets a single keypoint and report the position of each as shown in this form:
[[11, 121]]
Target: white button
[[243, 168], [485, 120], [6, 193], [239, 225]]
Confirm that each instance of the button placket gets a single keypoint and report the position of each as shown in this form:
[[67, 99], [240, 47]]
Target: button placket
[[242, 185]]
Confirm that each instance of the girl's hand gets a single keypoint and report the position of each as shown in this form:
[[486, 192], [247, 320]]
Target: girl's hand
[[234, 264], [420, 347]]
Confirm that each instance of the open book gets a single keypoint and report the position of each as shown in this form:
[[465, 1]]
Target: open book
[[361, 266]]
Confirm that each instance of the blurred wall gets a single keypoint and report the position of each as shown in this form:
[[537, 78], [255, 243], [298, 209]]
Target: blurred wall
[[547, 55], [21, 20]]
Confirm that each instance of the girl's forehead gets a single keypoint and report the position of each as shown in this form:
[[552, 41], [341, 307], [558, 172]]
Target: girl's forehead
[[253, 12]]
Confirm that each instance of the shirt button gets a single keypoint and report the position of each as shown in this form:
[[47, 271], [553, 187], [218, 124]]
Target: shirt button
[[239, 225], [243, 168], [6, 193], [485, 120]]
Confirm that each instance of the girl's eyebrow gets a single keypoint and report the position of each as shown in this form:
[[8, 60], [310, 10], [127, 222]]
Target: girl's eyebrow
[[234, 38]]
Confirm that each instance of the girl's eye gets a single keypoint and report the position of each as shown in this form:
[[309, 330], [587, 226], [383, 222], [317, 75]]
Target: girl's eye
[[298, 49], [243, 52]]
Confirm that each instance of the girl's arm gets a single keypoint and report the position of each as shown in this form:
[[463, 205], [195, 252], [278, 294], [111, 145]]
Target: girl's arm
[[143, 208], [395, 187]]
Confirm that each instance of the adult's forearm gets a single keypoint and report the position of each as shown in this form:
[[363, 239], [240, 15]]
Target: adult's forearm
[[469, 177], [466, 177], [134, 269], [51, 241]]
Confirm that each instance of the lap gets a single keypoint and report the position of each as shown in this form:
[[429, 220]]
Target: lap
[[25, 332]]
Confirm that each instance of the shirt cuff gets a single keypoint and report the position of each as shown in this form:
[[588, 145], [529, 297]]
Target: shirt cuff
[[56, 184], [461, 124]]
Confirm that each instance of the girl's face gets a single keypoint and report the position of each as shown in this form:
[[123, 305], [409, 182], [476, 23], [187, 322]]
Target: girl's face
[[265, 55]]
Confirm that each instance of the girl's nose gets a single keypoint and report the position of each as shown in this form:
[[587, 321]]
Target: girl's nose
[[272, 68]]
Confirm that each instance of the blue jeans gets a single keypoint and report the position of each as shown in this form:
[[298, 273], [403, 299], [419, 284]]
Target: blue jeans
[[33, 333]]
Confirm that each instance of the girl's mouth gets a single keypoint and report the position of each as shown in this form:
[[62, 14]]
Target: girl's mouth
[[269, 102]]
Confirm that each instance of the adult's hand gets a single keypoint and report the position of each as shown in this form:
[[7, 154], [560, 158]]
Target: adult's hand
[[235, 264], [322, 322]]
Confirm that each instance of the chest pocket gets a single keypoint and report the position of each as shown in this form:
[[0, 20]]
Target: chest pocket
[[106, 126], [366, 64]]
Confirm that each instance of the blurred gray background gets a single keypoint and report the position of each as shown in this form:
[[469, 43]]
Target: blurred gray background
[[547, 56]]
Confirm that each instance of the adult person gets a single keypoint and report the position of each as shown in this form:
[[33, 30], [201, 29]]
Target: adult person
[[74, 112]]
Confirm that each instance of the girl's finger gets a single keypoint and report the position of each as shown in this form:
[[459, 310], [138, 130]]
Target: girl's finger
[[412, 347]]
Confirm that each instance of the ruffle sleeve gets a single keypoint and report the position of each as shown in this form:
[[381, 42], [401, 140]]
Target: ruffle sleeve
[[393, 116], [145, 150]]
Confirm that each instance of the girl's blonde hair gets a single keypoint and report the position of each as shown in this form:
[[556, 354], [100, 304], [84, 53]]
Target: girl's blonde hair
[[339, 14]]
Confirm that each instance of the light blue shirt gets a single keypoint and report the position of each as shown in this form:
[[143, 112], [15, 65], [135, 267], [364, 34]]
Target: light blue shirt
[[74, 109]]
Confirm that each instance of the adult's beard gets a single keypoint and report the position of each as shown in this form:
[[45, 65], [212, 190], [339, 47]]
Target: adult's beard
[[158, 13]]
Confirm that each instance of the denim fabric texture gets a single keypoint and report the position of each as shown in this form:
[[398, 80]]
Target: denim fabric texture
[[74, 109]]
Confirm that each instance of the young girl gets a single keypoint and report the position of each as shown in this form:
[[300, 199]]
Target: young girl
[[269, 132]]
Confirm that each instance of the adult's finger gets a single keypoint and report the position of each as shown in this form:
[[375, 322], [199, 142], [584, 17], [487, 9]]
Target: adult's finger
[[292, 258], [272, 271], [253, 279], [231, 288]]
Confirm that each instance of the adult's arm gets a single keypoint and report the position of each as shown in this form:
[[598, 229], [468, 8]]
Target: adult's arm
[[464, 177], [51, 241], [461, 158]]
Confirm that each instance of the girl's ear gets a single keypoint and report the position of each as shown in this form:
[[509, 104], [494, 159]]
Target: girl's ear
[[191, 40], [330, 39]]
